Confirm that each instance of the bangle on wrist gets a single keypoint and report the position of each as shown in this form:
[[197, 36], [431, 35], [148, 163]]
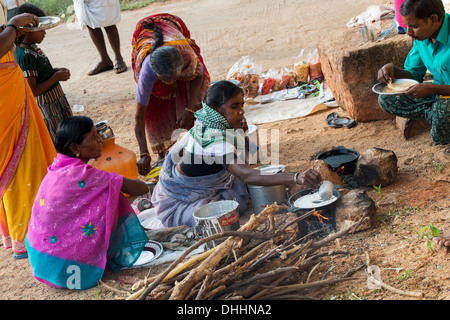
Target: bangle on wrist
[[190, 110], [143, 154], [13, 26], [295, 179]]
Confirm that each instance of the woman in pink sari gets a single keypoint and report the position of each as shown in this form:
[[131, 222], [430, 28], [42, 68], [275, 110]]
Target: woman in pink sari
[[80, 219], [172, 81]]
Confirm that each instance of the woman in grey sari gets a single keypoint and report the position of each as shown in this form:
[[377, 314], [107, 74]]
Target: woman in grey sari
[[210, 163]]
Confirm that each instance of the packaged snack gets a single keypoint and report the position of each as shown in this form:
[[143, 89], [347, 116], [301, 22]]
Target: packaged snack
[[248, 74]]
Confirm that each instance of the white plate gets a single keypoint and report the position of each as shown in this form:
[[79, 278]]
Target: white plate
[[151, 251], [379, 86], [271, 169], [44, 24]]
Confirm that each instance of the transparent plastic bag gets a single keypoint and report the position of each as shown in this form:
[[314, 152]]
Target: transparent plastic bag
[[301, 66], [248, 73], [269, 80], [315, 68]]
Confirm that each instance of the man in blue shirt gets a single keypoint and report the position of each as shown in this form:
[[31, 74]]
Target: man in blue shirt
[[429, 26]]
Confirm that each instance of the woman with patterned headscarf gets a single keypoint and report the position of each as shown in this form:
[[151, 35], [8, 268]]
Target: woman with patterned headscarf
[[172, 80], [211, 162]]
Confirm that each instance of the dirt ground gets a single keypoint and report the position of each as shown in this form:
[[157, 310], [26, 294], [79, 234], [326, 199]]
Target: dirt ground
[[273, 32]]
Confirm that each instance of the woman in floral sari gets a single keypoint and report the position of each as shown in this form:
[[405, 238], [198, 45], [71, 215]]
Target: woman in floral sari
[[26, 148], [172, 80], [80, 218]]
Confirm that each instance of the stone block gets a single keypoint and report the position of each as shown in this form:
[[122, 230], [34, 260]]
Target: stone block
[[351, 67], [411, 127]]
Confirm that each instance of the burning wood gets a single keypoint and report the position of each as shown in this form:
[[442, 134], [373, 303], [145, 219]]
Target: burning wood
[[264, 259], [319, 216]]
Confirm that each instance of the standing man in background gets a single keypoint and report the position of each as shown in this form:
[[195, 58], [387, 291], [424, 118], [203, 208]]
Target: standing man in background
[[97, 14]]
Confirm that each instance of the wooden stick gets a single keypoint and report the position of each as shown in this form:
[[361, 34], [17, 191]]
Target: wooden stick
[[298, 287], [113, 289], [222, 250], [388, 287], [162, 276]]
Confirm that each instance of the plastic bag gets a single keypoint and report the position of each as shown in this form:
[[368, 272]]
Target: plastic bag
[[301, 66], [315, 68], [373, 13], [269, 80], [248, 73]]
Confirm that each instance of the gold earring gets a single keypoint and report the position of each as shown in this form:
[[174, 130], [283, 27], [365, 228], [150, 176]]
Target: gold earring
[[77, 155]]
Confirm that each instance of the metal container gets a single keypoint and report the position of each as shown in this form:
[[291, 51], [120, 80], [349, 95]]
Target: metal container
[[104, 130], [262, 196], [217, 217], [366, 34], [327, 210], [266, 195]]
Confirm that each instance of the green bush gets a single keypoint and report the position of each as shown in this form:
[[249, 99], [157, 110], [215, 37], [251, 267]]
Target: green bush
[[59, 7], [52, 7]]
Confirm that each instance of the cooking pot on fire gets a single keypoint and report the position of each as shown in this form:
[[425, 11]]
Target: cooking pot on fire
[[340, 157], [309, 199], [306, 200]]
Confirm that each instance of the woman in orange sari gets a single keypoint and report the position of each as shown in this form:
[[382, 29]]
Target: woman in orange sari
[[172, 81], [26, 148]]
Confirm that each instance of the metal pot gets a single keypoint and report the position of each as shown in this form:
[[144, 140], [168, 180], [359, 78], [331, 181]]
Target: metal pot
[[327, 210], [266, 195], [319, 206], [104, 130], [340, 157]]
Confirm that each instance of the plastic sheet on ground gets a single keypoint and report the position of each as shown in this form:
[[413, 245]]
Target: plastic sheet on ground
[[276, 107]]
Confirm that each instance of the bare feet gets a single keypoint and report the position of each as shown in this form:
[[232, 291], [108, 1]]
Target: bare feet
[[443, 240]]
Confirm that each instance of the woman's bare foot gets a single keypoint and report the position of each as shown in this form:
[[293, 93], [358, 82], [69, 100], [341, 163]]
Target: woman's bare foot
[[443, 240]]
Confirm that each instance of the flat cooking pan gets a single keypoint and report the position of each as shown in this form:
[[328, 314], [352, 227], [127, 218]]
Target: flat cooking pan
[[338, 157]]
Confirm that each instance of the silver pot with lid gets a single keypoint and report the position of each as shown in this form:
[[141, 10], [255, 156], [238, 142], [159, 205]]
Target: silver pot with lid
[[104, 130]]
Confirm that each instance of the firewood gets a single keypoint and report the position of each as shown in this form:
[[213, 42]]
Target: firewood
[[264, 259], [221, 251], [299, 287], [143, 293]]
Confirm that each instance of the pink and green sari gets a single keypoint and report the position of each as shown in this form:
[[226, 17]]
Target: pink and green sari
[[80, 221]]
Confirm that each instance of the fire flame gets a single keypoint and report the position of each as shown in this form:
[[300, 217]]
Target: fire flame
[[340, 170], [319, 216]]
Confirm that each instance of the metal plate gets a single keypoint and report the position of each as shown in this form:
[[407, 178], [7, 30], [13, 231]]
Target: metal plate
[[271, 169], [316, 205], [44, 24], [378, 88], [151, 251]]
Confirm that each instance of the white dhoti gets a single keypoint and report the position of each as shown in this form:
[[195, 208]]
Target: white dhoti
[[97, 13]]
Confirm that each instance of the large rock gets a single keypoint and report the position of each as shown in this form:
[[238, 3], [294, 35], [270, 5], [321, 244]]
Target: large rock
[[411, 127], [325, 172], [376, 167], [350, 68], [352, 207]]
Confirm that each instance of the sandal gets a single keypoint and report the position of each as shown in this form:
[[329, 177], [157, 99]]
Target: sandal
[[120, 67], [334, 121], [18, 256], [99, 68], [344, 122]]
